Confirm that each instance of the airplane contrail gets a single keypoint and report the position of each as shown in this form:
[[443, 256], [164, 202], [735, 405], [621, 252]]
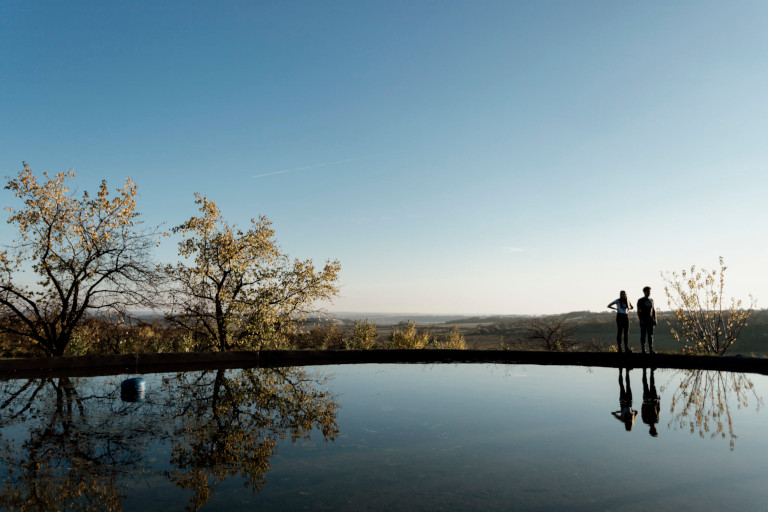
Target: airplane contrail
[[315, 166]]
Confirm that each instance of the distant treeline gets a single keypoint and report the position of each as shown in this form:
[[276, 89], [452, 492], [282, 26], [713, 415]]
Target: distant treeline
[[582, 330]]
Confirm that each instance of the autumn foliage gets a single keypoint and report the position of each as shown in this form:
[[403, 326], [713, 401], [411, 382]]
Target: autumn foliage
[[234, 289], [74, 256], [81, 268], [706, 322]]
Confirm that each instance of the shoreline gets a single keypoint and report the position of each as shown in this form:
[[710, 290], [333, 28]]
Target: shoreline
[[87, 366]]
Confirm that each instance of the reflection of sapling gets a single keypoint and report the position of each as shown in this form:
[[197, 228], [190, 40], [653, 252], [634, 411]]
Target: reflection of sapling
[[704, 400]]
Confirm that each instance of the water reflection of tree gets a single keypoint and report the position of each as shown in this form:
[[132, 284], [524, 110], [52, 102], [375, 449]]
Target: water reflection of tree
[[229, 423], [71, 459], [704, 401], [84, 445]]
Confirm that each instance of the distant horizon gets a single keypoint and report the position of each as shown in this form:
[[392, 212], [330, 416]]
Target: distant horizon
[[467, 315]]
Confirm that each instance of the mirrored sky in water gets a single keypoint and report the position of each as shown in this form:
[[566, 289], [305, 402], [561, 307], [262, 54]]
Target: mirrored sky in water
[[484, 436], [383, 437]]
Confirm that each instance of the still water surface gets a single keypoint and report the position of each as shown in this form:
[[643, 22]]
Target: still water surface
[[389, 437]]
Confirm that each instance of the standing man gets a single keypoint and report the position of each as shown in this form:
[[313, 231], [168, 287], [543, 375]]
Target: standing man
[[646, 314], [651, 404]]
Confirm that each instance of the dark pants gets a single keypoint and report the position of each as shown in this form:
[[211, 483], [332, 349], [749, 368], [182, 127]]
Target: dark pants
[[646, 328], [622, 327]]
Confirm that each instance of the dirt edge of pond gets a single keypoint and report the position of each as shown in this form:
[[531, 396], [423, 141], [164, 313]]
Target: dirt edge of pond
[[189, 361]]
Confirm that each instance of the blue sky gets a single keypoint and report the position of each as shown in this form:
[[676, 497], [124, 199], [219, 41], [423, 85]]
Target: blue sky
[[456, 157]]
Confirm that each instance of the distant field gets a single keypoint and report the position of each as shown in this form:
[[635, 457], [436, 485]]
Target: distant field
[[495, 332]]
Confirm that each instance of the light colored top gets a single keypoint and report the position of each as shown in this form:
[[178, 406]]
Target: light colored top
[[619, 307]]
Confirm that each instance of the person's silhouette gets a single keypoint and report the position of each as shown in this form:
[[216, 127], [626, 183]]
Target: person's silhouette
[[646, 313], [622, 307], [625, 414], [651, 404]]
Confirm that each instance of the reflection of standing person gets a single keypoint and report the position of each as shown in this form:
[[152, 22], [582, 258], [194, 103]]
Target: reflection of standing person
[[625, 414], [646, 313], [622, 307], [651, 405]]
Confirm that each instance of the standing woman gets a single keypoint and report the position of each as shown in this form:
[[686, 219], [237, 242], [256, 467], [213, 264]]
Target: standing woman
[[622, 307]]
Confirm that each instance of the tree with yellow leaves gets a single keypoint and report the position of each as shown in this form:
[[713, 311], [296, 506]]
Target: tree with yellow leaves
[[74, 256], [235, 289], [705, 322]]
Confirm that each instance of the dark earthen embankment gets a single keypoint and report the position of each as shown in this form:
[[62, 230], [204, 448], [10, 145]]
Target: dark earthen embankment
[[189, 361]]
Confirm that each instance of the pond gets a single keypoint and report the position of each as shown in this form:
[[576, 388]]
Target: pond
[[388, 437]]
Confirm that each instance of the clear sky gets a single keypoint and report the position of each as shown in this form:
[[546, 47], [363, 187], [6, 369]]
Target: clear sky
[[469, 157]]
